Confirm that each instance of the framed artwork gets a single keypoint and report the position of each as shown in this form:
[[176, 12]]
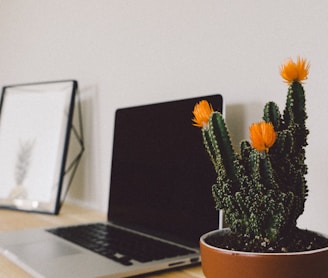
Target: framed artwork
[[35, 128]]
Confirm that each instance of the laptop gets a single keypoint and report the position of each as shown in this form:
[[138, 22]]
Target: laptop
[[160, 195]]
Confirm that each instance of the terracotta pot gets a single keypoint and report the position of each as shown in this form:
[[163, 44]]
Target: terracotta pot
[[222, 263]]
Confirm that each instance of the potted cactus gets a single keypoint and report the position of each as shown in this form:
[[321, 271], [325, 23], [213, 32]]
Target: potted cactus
[[262, 191]]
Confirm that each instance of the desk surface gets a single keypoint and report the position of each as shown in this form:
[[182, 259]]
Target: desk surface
[[69, 214]]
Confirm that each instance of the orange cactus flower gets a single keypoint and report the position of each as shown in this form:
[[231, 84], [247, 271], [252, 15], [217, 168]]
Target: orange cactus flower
[[202, 112], [262, 136], [291, 71]]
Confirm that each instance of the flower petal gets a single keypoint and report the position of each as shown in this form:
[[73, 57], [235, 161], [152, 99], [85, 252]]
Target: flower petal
[[202, 112], [291, 71], [262, 136]]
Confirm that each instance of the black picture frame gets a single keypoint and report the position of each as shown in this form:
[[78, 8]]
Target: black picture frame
[[36, 122]]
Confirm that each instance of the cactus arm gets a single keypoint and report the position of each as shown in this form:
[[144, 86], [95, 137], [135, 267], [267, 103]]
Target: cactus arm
[[295, 117], [219, 131], [219, 147], [211, 147], [295, 114], [272, 114], [295, 105]]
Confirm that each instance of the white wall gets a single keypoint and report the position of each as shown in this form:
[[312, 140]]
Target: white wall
[[131, 52]]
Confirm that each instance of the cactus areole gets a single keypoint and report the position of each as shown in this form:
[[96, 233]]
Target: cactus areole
[[261, 189]]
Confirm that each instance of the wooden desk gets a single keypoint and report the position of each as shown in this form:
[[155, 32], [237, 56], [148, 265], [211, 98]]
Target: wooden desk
[[69, 214]]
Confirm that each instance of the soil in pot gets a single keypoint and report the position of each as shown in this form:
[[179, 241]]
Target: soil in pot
[[298, 241], [223, 263]]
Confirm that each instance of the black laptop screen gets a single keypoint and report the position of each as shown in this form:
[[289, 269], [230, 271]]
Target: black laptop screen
[[161, 175]]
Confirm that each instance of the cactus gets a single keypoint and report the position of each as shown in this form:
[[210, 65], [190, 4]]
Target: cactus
[[262, 189]]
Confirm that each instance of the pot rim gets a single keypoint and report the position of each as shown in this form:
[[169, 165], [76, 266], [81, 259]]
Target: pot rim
[[226, 230]]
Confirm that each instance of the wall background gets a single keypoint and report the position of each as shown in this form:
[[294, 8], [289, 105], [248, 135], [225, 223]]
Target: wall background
[[128, 52]]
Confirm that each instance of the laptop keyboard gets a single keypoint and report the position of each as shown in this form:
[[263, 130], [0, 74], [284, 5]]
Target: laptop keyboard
[[117, 244]]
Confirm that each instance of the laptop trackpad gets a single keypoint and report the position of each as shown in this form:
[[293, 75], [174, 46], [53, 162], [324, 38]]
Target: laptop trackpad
[[47, 250]]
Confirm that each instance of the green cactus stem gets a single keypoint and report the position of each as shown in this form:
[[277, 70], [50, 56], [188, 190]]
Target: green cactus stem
[[263, 189]]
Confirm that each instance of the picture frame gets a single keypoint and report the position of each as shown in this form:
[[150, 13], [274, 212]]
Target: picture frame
[[35, 128]]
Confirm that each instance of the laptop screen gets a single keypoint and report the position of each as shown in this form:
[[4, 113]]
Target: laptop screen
[[161, 175]]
